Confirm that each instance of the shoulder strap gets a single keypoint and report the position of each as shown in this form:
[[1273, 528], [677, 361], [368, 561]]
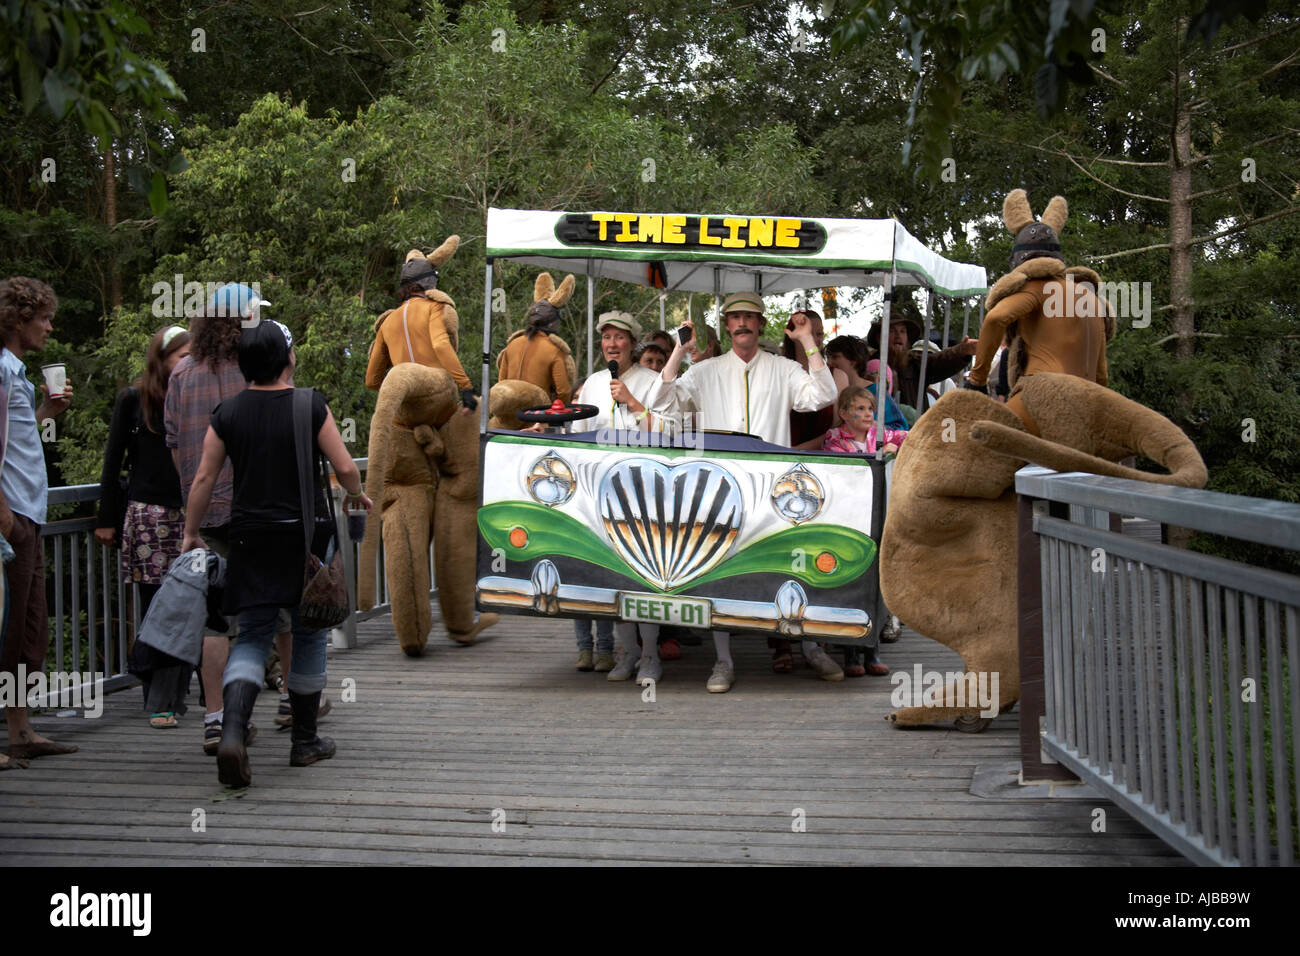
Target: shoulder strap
[[302, 449], [410, 352]]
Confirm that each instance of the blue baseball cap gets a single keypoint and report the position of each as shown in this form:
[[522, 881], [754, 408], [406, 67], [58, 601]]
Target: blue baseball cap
[[237, 300]]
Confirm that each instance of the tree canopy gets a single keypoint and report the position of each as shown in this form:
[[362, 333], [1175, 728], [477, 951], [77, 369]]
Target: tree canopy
[[308, 149]]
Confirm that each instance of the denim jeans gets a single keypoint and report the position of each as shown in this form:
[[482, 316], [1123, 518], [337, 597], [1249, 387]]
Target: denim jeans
[[604, 634], [257, 629]]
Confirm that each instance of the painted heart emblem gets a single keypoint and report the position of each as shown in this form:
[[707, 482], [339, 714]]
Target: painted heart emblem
[[672, 523]]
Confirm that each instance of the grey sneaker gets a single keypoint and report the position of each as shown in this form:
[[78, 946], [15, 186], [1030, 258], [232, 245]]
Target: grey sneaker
[[723, 676], [604, 663], [584, 661], [649, 669], [623, 670], [826, 668]]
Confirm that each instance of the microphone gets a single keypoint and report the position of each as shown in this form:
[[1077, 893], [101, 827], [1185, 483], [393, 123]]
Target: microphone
[[613, 371]]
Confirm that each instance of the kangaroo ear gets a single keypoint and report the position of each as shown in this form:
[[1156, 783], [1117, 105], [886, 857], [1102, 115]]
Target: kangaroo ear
[[543, 287], [444, 251], [414, 254], [1055, 214], [1016, 213], [562, 294]]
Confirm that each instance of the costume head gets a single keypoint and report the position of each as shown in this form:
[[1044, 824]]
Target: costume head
[[544, 313], [420, 271], [1034, 240]]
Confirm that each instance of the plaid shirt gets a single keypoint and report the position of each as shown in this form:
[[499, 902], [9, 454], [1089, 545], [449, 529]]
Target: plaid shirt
[[192, 393]]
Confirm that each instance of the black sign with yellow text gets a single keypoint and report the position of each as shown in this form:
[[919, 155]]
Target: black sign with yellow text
[[741, 234]]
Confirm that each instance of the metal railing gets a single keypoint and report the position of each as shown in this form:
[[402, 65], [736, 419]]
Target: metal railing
[[1170, 678], [94, 613]]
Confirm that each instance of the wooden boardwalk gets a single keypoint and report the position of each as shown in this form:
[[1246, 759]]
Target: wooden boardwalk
[[436, 754]]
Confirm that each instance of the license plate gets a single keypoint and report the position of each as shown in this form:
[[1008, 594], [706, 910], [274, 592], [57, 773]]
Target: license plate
[[658, 609]]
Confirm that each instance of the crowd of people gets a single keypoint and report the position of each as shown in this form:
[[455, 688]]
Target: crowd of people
[[201, 456], [803, 394]]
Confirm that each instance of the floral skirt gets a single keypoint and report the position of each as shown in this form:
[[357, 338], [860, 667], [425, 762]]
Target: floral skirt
[[151, 541]]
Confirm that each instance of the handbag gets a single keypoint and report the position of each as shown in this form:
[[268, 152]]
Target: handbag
[[324, 601]]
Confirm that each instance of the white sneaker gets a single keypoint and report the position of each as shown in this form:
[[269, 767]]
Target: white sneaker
[[826, 668], [723, 676], [624, 669], [649, 669]]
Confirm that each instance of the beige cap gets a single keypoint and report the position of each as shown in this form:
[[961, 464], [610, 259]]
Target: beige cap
[[620, 320], [743, 302]]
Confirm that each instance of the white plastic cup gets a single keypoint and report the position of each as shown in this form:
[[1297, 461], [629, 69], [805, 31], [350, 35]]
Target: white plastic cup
[[56, 379]]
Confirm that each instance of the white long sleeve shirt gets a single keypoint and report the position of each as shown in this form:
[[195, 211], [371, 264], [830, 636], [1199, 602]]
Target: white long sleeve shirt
[[755, 397], [639, 380]]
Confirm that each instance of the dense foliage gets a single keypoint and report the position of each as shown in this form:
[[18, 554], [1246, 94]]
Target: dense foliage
[[313, 148]]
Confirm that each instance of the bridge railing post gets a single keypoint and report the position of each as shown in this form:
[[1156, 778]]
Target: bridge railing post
[[1029, 591]]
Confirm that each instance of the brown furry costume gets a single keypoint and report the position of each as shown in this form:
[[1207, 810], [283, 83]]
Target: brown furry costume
[[952, 507], [509, 397], [1071, 341], [426, 322], [423, 463], [536, 354]]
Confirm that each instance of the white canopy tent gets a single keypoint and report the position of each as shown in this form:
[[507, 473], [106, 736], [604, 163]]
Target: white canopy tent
[[720, 254]]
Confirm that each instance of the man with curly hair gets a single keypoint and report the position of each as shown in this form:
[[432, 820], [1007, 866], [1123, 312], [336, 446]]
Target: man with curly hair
[[27, 309]]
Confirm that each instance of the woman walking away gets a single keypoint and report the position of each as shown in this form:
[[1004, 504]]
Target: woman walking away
[[147, 509], [255, 428]]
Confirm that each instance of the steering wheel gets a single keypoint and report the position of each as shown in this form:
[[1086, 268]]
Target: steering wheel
[[557, 413]]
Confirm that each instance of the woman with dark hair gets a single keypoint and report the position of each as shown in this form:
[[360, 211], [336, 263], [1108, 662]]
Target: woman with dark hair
[[264, 574], [848, 354], [147, 509]]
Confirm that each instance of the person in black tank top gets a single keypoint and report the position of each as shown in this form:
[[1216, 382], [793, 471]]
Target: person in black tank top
[[265, 568]]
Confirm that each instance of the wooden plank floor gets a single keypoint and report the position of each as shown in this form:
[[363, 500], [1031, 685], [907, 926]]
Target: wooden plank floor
[[434, 750]]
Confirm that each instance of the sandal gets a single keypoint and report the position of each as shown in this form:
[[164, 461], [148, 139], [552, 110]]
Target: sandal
[[782, 661], [164, 721], [853, 663]]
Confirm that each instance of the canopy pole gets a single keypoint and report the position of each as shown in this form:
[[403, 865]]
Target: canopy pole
[[965, 319], [484, 386], [663, 298], [947, 320], [882, 353], [922, 392], [591, 318]]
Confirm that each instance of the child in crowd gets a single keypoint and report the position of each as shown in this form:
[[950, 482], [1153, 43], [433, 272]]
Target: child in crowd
[[857, 408]]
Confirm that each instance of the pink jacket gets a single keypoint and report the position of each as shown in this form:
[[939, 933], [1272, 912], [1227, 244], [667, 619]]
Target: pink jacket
[[841, 439]]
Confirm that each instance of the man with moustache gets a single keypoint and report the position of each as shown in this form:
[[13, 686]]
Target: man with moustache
[[749, 390]]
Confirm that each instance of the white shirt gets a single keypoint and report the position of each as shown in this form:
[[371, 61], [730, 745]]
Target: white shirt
[[755, 397], [639, 380]]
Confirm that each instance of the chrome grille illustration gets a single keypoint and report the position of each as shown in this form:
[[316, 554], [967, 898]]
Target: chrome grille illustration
[[797, 495], [550, 480], [672, 523]]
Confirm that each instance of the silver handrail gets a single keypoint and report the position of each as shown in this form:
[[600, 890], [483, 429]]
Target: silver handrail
[[1171, 679], [94, 614]]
